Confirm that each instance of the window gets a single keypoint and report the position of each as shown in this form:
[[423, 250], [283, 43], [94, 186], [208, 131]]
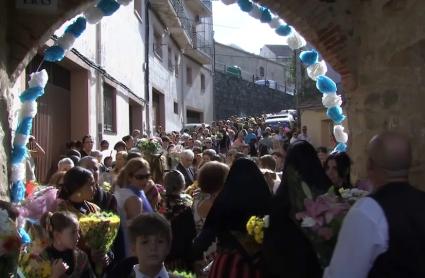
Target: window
[[170, 63], [262, 71], [188, 75], [202, 82], [138, 8], [176, 108], [157, 45], [176, 65], [109, 108]]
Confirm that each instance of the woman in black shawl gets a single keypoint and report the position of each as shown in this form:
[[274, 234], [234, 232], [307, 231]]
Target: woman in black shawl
[[245, 193], [287, 251]]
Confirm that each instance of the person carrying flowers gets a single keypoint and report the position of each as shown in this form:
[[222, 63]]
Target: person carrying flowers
[[77, 191], [288, 250], [245, 194], [62, 257]]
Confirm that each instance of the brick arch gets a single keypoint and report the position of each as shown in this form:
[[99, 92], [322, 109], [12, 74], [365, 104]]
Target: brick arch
[[326, 24], [25, 38]]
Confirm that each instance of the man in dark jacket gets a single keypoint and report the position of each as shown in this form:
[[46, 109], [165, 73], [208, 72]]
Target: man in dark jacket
[[383, 235]]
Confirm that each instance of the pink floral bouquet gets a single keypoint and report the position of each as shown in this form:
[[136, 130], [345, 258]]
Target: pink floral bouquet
[[322, 214]]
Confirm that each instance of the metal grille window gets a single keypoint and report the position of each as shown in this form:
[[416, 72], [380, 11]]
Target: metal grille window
[[202, 82], [176, 108], [170, 62], [176, 65], [157, 47], [138, 9], [188, 75], [109, 108]]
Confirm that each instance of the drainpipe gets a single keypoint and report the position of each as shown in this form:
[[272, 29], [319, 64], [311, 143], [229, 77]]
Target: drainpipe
[[99, 91], [182, 86], [147, 93]]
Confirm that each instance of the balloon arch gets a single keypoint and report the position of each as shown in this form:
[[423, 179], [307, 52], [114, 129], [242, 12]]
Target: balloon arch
[[316, 70]]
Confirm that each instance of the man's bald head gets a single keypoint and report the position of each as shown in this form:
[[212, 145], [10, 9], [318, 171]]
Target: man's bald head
[[391, 153]]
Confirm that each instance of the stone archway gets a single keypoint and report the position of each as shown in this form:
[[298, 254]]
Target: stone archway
[[382, 69]]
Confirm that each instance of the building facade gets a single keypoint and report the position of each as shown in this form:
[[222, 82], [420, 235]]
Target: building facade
[[101, 87], [253, 67]]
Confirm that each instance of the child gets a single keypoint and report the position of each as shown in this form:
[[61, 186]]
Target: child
[[67, 260], [150, 237]]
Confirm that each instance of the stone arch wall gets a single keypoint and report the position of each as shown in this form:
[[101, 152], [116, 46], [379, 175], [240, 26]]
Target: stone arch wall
[[375, 45]]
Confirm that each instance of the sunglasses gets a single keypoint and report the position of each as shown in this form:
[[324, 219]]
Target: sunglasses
[[142, 177]]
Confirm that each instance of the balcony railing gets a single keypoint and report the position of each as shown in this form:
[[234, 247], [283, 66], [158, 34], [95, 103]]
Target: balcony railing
[[200, 43], [181, 14]]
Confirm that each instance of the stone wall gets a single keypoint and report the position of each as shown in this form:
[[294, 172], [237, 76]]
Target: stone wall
[[5, 134], [234, 96]]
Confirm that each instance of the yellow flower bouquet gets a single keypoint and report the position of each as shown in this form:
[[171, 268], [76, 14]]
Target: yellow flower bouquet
[[99, 230], [255, 227], [34, 266]]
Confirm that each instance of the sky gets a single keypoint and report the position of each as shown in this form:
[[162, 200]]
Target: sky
[[233, 26]]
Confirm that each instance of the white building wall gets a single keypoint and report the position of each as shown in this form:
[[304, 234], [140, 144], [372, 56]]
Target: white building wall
[[250, 64], [194, 98], [162, 78], [121, 55]]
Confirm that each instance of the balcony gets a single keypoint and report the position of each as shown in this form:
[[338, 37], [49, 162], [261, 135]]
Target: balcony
[[203, 8], [201, 50], [172, 14]]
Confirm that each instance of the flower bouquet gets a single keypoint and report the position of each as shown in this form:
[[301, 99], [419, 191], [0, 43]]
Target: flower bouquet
[[34, 266], [183, 274], [99, 230], [10, 243], [255, 227], [321, 222], [149, 147], [106, 186]]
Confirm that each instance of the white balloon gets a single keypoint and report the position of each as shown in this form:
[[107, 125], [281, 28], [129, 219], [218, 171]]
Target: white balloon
[[329, 100], [18, 172], [20, 139], [255, 12], [93, 15], [276, 22], [66, 41], [28, 109], [340, 135], [38, 79], [228, 2], [124, 2], [295, 40], [317, 69]]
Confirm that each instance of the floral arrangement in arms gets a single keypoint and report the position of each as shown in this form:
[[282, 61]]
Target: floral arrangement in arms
[[34, 266], [255, 227], [10, 243], [99, 230], [149, 146]]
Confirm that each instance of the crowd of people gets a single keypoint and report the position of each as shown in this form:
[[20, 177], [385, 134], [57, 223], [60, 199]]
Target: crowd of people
[[184, 200]]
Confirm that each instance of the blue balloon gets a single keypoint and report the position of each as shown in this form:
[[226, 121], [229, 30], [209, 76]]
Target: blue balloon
[[77, 27], [266, 16], [25, 126], [17, 192], [340, 148], [25, 237], [309, 57], [283, 30], [31, 93], [54, 54], [325, 85], [335, 114], [245, 5], [108, 7], [18, 154]]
